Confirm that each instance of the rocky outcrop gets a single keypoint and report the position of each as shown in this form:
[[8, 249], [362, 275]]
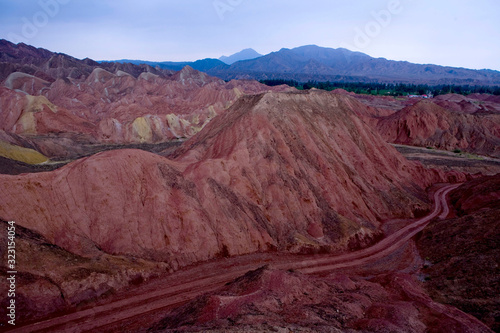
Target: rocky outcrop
[[118, 108], [21, 154], [474, 103], [427, 124], [478, 194], [25, 82], [463, 252], [29, 115], [50, 66], [272, 300], [449, 122], [50, 279]]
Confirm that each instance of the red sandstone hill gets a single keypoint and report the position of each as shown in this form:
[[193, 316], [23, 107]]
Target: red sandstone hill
[[460, 270], [118, 107], [295, 172], [474, 103], [63, 116], [64, 102], [469, 123], [58, 102], [277, 171], [428, 124], [50, 66]]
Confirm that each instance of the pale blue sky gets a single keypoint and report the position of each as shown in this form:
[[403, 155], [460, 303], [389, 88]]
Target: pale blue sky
[[460, 33]]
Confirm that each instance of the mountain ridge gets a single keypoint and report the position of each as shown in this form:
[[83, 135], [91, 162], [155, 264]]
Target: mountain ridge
[[310, 63], [344, 65], [200, 65]]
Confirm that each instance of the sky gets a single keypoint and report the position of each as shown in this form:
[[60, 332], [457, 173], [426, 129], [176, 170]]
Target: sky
[[459, 33]]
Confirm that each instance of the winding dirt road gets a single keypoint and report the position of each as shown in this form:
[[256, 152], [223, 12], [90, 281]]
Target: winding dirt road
[[185, 285]]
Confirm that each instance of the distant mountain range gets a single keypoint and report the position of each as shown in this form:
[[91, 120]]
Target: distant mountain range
[[314, 63], [203, 65], [306, 63], [246, 54]]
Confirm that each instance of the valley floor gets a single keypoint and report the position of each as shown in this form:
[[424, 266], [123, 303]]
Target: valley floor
[[447, 160]]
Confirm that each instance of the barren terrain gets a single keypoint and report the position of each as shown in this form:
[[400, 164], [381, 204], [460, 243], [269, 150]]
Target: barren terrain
[[267, 283], [154, 200], [448, 160]]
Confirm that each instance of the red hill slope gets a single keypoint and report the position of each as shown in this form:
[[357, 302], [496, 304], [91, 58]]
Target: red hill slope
[[61, 102], [117, 107], [464, 272], [267, 300], [427, 124], [277, 171]]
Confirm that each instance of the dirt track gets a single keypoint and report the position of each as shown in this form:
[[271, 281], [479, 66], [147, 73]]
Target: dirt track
[[189, 283]]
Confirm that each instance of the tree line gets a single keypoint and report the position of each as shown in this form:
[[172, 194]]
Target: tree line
[[388, 89]]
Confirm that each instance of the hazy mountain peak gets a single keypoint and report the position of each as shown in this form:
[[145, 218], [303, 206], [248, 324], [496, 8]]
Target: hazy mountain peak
[[246, 54]]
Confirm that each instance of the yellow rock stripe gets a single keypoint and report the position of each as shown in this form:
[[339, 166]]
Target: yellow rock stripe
[[21, 154]]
